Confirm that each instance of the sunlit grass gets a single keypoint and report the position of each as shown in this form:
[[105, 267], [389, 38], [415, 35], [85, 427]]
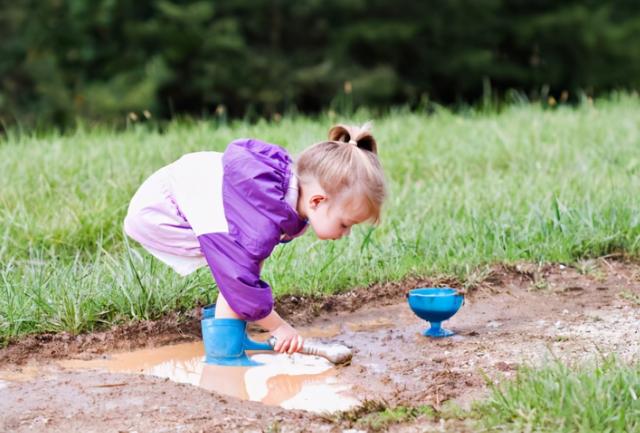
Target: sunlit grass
[[560, 398], [465, 190]]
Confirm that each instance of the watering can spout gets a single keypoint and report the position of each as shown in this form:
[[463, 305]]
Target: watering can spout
[[249, 344]]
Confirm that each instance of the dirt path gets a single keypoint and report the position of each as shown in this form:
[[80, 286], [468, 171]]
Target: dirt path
[[517, 315]]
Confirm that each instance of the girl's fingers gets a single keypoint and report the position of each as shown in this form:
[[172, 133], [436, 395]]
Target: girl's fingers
[[296, 344], [279, 345], [290, 345], [285, 346], [300, 343]]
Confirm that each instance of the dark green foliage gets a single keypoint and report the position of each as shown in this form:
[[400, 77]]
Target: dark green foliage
[[101, 59]]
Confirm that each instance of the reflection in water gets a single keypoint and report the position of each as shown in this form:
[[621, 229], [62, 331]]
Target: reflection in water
[[280, 388], [225, 380], [290, 381]]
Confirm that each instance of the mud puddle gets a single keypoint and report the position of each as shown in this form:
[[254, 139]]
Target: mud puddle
[[572, 316], [293, 381], [289, 381]]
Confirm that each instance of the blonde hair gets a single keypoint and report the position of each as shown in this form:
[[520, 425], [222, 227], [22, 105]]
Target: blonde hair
[[347, 164]]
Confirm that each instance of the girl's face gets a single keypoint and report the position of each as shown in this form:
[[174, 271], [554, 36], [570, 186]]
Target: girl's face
[[333, 220]]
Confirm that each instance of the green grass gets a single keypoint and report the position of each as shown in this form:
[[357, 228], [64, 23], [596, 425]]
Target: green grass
[[375, 416], [466, 190], [559, 398]]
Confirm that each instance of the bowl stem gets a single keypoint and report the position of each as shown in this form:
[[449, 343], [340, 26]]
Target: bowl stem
[[437, 331]]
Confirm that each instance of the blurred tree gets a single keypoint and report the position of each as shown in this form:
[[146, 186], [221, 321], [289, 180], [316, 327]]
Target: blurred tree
[[101, 59]]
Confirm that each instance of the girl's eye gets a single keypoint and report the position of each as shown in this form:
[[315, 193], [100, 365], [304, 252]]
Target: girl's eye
[[343, 226]]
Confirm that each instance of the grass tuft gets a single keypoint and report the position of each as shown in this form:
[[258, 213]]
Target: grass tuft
[[559, 398]]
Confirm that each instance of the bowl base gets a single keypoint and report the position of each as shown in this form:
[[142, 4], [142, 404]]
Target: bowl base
[[438, 332]]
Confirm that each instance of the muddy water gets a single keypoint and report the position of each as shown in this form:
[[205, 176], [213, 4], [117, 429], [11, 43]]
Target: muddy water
[[289, 381]]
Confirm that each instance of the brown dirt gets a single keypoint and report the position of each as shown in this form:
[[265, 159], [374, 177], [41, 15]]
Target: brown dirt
[[175, 328], [515, 315]]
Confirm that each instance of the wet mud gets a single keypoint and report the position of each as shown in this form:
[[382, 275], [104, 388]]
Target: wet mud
[[523, 314]]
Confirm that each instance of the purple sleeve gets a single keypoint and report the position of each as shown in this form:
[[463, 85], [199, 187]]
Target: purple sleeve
[[237, 274], [256, 177]]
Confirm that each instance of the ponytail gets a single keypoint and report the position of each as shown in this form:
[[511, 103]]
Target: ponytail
[[359, 136]]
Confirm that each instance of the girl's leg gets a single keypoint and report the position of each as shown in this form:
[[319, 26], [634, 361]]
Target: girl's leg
[[223, 310]]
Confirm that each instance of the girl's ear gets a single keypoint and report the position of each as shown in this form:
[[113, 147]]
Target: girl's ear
[[315, 200]]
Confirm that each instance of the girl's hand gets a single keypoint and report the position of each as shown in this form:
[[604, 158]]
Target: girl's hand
[[287, 339]]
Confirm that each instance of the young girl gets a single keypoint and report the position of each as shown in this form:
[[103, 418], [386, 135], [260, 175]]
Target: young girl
[[229, 210]]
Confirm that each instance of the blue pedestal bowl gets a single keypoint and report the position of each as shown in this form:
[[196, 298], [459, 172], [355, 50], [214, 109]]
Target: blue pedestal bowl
[[435, 305]]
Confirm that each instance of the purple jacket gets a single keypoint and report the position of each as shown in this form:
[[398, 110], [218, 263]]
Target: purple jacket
[[255, 180]]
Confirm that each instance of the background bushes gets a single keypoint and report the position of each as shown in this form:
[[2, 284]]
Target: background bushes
[[102, 59]]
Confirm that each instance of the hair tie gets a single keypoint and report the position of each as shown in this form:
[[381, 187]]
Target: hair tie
[[355, 143]]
